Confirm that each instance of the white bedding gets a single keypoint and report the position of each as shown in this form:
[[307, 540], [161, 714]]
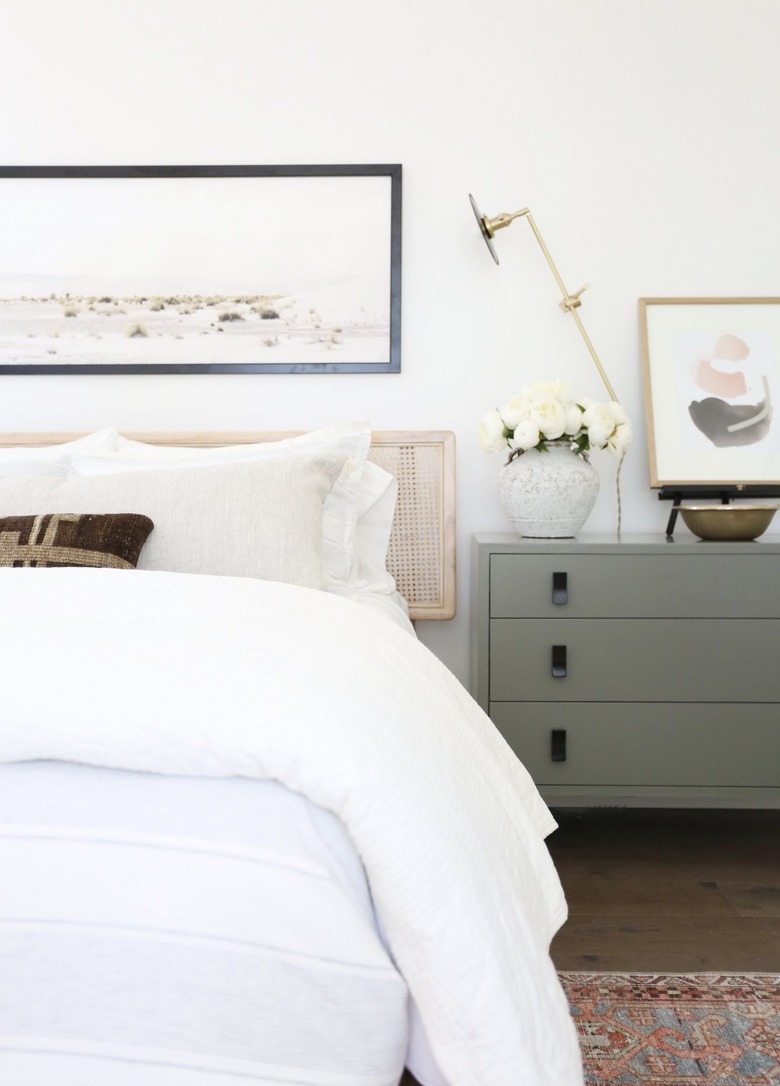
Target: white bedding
[[237, 900], [179, 674]]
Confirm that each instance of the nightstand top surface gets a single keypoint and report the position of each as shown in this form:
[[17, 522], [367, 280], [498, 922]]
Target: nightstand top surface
[[638, 542]]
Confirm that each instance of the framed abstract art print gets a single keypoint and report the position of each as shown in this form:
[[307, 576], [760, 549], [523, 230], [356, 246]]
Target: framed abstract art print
[[712, 380]]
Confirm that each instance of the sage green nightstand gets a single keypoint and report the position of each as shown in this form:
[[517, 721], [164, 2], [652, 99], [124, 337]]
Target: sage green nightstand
[[643, 671]]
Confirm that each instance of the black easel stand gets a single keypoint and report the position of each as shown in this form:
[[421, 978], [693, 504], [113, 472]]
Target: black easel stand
[[724, 494]]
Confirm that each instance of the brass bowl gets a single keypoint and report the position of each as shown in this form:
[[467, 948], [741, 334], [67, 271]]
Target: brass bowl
[[727, 522]]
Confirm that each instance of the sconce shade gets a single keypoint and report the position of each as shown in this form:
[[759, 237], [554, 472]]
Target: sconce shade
[[483, 228]]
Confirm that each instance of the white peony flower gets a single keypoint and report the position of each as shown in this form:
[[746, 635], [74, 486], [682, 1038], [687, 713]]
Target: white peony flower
[[599, 421], [526, 435], [573, 420], [618, 413], [550, 416], [515, 410], [620, 439], [492, 432]]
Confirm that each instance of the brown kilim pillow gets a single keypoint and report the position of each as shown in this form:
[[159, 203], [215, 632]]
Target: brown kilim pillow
[[112, 540]]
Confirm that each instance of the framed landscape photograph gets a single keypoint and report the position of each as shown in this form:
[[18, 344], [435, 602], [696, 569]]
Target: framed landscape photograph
[[200, 269], [711, 376]]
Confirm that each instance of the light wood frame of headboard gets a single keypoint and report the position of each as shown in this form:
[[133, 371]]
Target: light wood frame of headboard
[[421, 555]]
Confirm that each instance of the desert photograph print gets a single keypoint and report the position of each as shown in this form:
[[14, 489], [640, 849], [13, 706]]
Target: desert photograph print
[[199, 269]]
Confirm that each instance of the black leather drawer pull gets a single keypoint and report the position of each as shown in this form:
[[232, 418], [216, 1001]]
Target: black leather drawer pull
[[559, 661], [558, 744], [560, 589]]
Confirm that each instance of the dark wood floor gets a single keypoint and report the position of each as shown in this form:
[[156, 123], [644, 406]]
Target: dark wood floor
[[668, 890]]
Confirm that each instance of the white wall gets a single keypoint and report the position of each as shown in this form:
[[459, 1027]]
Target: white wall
[[641, 133]]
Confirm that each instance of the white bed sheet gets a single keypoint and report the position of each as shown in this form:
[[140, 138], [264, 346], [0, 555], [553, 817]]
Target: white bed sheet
[[263, 680]]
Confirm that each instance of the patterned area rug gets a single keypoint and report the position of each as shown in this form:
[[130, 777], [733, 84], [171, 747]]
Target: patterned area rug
[[638, 1029]]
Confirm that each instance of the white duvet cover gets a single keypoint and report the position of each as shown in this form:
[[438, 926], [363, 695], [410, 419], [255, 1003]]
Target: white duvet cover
[[206, 677], [159, 929]]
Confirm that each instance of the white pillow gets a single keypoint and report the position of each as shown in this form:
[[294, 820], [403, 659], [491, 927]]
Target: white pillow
[[54, 459], [350, 441], [372, 583], [246, 520], [376, 502]]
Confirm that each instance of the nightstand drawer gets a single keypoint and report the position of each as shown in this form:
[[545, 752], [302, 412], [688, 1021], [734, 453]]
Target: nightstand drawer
[[634, 585], [663, 660], [625, 744]]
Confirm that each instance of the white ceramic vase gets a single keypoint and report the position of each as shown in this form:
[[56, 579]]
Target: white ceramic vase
[[548, 495]]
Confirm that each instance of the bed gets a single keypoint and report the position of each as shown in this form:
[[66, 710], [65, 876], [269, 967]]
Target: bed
[[250, 828]]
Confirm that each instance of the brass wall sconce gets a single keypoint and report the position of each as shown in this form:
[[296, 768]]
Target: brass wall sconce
[[570, 303]]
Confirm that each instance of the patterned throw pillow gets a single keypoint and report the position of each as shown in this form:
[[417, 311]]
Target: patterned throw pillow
[[110, 540]]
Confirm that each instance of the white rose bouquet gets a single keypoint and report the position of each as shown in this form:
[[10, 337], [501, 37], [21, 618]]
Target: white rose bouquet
[[547, 412]]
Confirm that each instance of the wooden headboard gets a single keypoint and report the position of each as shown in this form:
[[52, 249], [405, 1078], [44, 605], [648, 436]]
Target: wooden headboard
[[421, 555]]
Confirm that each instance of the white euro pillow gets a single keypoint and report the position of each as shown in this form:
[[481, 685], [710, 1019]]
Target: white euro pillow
[[54, 459], [254, 519], [347, 439], [350, 441]]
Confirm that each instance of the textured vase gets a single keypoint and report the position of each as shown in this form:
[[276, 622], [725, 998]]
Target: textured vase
[[548, 495]]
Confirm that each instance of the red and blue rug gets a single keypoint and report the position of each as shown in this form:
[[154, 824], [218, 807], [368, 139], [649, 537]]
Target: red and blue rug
[[659, 1029]]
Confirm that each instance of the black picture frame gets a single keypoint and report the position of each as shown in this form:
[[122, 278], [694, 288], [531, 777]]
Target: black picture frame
[[308, 258]]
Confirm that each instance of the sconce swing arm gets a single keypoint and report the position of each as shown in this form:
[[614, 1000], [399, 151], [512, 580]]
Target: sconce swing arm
[[569, 303]]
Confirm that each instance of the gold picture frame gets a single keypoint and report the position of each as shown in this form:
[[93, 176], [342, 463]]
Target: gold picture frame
[[711, 369]]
